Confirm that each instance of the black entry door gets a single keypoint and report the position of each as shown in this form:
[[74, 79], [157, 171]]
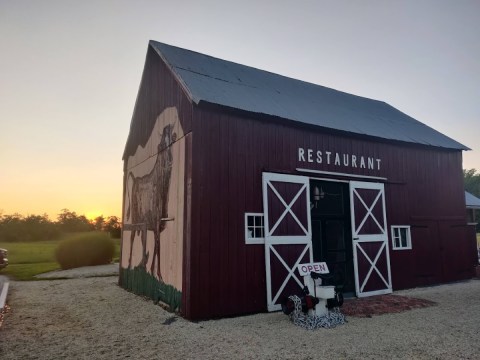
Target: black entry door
[[331, 233]]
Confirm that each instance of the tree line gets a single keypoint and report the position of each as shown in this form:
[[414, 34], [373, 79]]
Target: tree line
[[471, 178], [19, 228]]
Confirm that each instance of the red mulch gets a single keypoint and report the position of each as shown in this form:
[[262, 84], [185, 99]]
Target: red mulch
[[3, 311], [382, 304]]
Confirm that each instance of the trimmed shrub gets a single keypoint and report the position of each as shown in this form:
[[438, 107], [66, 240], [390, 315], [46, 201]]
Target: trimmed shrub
[[87, 249]]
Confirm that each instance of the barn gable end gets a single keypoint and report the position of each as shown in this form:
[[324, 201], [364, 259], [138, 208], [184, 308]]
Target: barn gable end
[[155, 204]]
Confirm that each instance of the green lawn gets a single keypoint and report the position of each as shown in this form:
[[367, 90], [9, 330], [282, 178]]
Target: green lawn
[[28, 259]]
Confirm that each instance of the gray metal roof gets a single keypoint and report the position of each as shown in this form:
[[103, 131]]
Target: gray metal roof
[[221, 82], [472, 201]]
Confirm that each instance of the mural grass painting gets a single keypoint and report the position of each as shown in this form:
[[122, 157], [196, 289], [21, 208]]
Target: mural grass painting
[[140, 282]]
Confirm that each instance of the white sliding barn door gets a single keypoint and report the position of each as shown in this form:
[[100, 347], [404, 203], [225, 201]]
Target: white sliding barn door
[[370, 239], [288, 234]]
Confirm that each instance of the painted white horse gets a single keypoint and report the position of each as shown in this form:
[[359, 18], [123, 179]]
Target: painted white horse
[[148, 201]]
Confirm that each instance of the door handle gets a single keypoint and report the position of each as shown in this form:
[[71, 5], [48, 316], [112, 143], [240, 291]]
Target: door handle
[[356, 238]]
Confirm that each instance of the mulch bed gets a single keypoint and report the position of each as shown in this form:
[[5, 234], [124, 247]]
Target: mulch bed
[[3, 311], [382, 304]]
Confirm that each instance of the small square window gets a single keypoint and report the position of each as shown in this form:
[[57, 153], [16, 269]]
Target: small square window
[[254, 231], [401, 239]]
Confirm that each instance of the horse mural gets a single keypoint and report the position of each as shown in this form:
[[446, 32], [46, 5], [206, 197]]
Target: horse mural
[[148, 200]]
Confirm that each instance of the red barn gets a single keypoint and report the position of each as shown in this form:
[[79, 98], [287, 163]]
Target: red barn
[[234, 175]]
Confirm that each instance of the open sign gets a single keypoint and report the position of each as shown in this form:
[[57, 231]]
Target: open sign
[[306, 269]]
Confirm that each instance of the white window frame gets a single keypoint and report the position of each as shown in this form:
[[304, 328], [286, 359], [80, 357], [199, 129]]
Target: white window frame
[[254, 240], [409, 237]]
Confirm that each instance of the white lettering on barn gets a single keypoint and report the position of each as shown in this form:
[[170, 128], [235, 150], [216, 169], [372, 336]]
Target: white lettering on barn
[[338, 159]]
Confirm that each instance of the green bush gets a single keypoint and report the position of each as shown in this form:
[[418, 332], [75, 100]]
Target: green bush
[[86, 249]]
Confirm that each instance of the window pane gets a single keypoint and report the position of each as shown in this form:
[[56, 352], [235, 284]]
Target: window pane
[[403, 232], [401, 237], [258, 220], [396, 232], [397, 242], [254, 227]]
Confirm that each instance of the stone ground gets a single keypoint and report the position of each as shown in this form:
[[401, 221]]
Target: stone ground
[[93, 318]]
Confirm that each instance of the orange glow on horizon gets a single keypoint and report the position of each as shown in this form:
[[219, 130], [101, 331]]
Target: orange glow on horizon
[[91, 215]]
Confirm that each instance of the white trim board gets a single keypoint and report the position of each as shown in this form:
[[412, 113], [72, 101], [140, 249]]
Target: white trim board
[[341, 174]]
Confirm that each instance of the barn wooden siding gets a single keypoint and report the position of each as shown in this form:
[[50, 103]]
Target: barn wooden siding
[[229, 153], [158, 91]]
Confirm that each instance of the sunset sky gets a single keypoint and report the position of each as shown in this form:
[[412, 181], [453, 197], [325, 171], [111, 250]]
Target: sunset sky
[[70, 72]]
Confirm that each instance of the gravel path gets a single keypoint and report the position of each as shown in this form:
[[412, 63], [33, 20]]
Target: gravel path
[[92, 318], [81, 272]]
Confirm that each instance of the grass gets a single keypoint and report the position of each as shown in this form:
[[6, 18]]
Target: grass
[[28, 259], [30, 252], [26, 272]]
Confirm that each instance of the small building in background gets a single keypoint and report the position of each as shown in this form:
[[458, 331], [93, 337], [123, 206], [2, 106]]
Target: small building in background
[[473, 205], [233, 176]]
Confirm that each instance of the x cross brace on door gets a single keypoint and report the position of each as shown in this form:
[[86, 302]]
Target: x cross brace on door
[[291, 271], [369, 211], [373, 265], [288, 208]]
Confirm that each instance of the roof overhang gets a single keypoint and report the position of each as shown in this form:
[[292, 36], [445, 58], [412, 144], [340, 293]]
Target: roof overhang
[[472, 201]]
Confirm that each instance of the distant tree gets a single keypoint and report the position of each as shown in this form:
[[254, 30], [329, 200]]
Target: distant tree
[[15, 228], [14, 218], [471, 180], [113, 226], [39, 227], [18, 228], [69, 221], [11, 228], [99, 223]]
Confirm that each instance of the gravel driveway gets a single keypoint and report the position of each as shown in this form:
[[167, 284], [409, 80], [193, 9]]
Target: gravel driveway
[[92, 318]]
